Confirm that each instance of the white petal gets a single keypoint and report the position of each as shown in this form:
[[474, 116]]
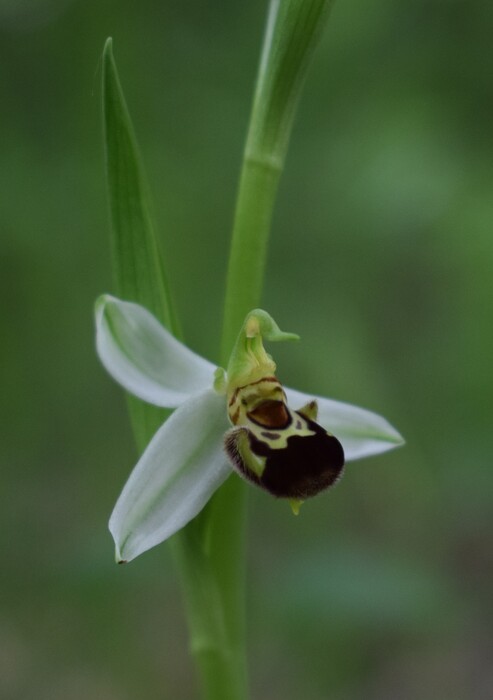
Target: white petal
[[144, 357], [361, 432], [179, 471]]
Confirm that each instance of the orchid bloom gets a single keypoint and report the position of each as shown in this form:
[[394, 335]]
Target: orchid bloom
[[236, 419]]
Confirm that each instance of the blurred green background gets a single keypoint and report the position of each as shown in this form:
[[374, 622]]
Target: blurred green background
[[381, 259]]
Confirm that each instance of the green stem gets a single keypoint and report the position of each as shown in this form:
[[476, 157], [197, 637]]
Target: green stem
[[227, 510], [220, 665], [210, 551], [293, 28], [292, 31], [253, 216]]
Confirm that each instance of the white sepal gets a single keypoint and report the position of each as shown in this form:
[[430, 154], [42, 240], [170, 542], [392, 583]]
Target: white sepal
[[179, 471], [144, 357], [362, 433]]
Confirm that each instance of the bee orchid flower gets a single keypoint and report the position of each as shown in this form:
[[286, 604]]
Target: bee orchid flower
[[289, 443]]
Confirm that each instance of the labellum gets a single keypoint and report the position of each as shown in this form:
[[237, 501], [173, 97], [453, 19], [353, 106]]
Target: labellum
[[284, 452]]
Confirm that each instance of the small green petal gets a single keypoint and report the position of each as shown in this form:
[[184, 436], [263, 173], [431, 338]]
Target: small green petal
[[220, 381]]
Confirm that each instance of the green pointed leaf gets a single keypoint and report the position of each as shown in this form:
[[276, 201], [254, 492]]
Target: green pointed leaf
[[137, 264], [136, 256]]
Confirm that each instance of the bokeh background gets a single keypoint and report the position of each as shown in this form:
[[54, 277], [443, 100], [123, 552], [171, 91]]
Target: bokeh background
[[382, 260]]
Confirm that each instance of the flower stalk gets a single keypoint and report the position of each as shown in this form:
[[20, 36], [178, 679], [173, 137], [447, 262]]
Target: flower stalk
[[292, 32]]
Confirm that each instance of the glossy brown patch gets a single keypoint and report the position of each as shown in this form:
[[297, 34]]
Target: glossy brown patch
[[307, 465], [271, 414]]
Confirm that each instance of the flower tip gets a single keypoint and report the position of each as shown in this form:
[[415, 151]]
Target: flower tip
[[295, 504], [260, 323], [118, 557], [290, 336], [395, 436], [102, 301], [220, 382], [252, 326]]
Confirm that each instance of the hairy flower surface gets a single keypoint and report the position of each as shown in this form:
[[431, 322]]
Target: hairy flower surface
[[242, 418]]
